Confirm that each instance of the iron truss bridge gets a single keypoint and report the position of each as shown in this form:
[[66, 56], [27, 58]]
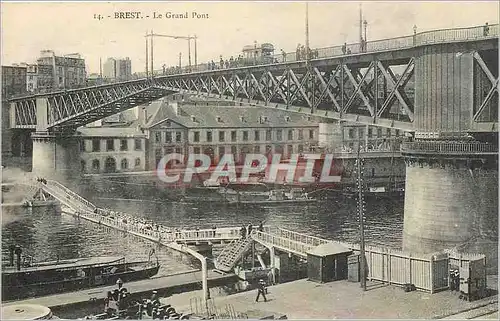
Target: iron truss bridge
[[374, 85]]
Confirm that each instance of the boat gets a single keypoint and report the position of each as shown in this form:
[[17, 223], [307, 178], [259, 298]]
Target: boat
[[29, 279], [280, 196]]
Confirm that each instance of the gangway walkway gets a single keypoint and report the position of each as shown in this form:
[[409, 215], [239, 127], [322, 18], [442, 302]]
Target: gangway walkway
[[279, 238]]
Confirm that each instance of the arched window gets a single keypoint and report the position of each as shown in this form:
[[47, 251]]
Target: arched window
[[124, 163], [96, 166], [137, 162]]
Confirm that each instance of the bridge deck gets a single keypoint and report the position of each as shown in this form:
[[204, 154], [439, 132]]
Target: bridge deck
[[280, 83]]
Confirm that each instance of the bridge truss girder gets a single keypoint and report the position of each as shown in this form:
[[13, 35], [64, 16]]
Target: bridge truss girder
[[74, 108], [345, 91]]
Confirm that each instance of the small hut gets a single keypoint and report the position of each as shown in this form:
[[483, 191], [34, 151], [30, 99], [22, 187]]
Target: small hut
[[327, 262]]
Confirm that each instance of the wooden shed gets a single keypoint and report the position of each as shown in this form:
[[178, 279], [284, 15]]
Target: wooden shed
[[327, 262]]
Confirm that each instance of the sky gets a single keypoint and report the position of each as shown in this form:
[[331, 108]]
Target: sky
[[71, 27]]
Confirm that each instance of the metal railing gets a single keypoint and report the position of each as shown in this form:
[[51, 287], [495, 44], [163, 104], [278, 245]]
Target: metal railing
[[283, 243], [449, 148], [403, 42]]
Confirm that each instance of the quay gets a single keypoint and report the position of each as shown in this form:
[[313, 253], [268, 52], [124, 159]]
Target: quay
[[303, 299]]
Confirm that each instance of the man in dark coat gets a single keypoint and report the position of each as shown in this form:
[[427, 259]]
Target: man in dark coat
[[261, 288]]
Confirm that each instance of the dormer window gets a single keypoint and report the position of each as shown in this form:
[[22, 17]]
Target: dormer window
[[193, 119], [219, 119], [287, 118], [263, 119], [242, 119], [168, 123]]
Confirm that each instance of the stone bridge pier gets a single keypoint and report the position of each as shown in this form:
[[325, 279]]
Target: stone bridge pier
[[55, 156], [451, 195]]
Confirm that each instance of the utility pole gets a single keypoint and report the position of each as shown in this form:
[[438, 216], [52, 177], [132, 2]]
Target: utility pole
[[100, 67], [147, 66], [307, 33], [361, 214], [152, 71], [195, 52], [180, 59], [189, 51]]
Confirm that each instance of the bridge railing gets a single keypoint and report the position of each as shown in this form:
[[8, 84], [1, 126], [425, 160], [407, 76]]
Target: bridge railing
[[457, 34], [449, 147], [282, 242], [300, 237], [72, 194], [208, 234]]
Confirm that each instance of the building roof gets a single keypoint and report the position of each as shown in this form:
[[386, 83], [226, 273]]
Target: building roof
[[229, 116], [110, 132], [327, 249]]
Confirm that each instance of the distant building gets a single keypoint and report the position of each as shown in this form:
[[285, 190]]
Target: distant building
[[13, 81], [186, 128], [94, 80], [112, 149], [117, 69], [13, 84], [60, 72], [31, 76]]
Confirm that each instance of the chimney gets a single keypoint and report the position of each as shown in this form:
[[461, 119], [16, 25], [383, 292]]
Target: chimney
[[175, 107], [142, 116]]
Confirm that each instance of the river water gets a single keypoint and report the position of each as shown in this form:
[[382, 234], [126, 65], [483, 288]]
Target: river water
[[46, 234]]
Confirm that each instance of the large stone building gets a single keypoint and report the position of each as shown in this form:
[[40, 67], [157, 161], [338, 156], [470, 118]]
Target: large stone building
[[201, 127], [112, 149], [60, 72], [117, 69]]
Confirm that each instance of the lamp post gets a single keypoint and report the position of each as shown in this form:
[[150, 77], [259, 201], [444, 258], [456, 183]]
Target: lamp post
[[414, 35], [365, 24]]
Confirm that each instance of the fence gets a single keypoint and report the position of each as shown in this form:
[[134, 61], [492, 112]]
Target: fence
[[427, 272], [449, 147]]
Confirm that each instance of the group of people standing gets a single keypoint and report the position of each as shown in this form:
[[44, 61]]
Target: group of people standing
[[246, 231]]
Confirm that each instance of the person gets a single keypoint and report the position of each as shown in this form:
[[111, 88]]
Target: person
[[243, 232], [261, 227], [283, 53], [298, 52], [154, 299], [486, 29], [348, 50], [249, 229], [261, 288], [344, 48]]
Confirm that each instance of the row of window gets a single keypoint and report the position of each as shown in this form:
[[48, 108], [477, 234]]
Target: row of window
[[169, 136], [278, 149], [361, 132], [110, 163], [110, 145]]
